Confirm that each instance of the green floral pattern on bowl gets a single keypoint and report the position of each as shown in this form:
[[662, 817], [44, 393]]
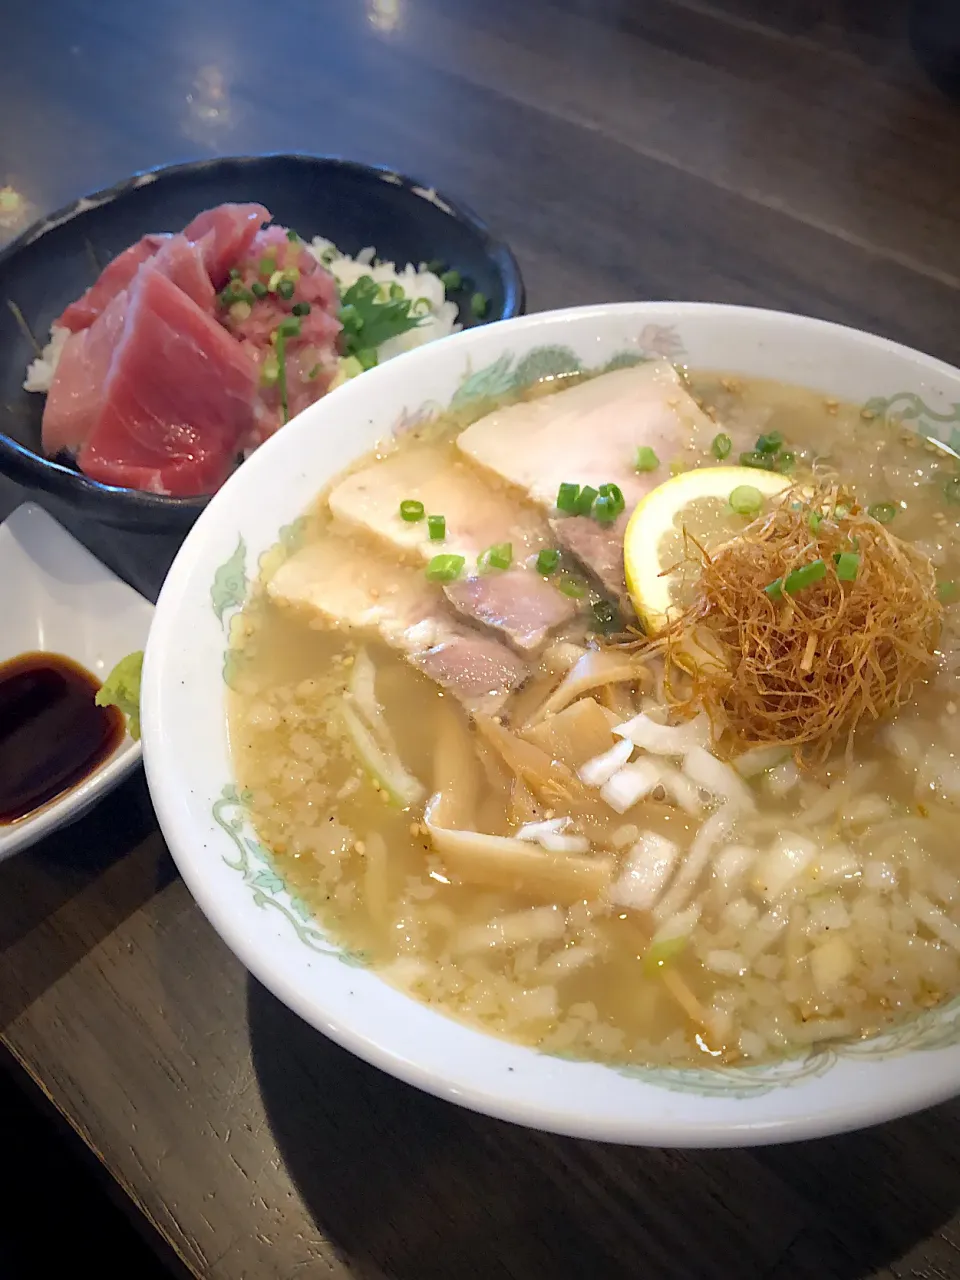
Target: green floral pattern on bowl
[[504, 377]]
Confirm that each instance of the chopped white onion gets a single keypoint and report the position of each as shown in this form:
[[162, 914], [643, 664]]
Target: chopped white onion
[[730, 963], [759, 759], [549, 835], [783, 862], [826, 913], [714, 829], [630, 785], [717, 778], [646, 872], [837, 864], [600, 769], [862, 811], [781, 780], [680, 790], [680, 925], [831, 962], [548, 827], [880, 876], [665, 740], [937, 921], [732, 863]]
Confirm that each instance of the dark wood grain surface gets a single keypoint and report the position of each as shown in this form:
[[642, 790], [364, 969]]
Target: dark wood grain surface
[[785, 153]]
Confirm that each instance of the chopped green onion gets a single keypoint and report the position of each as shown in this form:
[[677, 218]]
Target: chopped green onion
[[270, 372], [451, 279], [840, 512], [606, 617], [951, 490], [275, 280], [289, 326], [609, 503], [547, 561], [292, 236], [411, 510], [499, 556], [948, 592], [240, 311], [677, 467], [282, 369], [797, 579], [266, 266], [259, 289], [479, 305], [746, 500], [567, 497], [662, 952], [234, 273], [646, 459], [815, 520], [571, 586], [286, 289], [367, 358], [301, 308], [445, 568], [720, 446], [586, 498], [770, 443], [437, 528], [312, 373], [848, 565], [605, 510], [395, 292], [760, 461], [883, 512], [786, 462]]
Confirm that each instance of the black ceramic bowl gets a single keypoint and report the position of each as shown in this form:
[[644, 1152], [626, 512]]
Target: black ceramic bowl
[[353, 205]]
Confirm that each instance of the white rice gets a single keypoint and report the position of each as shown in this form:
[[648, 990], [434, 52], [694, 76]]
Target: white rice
[[439, 317], [418, 284], [40, 371]]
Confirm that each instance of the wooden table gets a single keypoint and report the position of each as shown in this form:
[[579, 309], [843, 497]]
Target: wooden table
[[783, 153]]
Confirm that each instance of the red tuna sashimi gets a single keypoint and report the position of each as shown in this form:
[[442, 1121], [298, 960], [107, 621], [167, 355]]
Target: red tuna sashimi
[[113, 279], [75, 396], [178, 399], [224, 235], [77, 391], [181, 261]]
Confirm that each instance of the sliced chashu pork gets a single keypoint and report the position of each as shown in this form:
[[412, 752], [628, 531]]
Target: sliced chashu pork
[[337, 585], [517, 602], [589, 435]]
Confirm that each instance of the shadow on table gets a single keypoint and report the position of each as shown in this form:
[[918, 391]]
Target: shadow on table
[[415, 1189], [65, 895]]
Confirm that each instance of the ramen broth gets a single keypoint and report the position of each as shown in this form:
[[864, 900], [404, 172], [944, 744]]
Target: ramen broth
[[864, 930]]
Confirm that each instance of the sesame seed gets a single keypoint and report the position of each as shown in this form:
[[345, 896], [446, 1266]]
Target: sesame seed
[[359, 846]]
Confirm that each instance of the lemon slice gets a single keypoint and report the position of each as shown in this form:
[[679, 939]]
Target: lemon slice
[[660, 575]]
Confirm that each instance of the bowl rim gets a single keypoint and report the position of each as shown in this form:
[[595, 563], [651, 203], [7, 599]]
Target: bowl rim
[[665, 1127], [31, 470]]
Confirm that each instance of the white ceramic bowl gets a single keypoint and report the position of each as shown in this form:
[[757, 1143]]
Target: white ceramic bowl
[[232, 877]]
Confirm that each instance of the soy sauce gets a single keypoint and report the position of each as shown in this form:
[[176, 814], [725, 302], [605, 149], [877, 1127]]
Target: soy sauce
[[52, 733]]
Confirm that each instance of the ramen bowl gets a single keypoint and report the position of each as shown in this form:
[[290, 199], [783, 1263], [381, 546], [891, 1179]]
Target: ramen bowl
[[830, 1087]]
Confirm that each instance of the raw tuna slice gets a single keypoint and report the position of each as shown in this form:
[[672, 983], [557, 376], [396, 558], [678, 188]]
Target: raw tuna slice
[[76, 393], [113, 279], [182, 261], [177, 400], [224, 235]]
